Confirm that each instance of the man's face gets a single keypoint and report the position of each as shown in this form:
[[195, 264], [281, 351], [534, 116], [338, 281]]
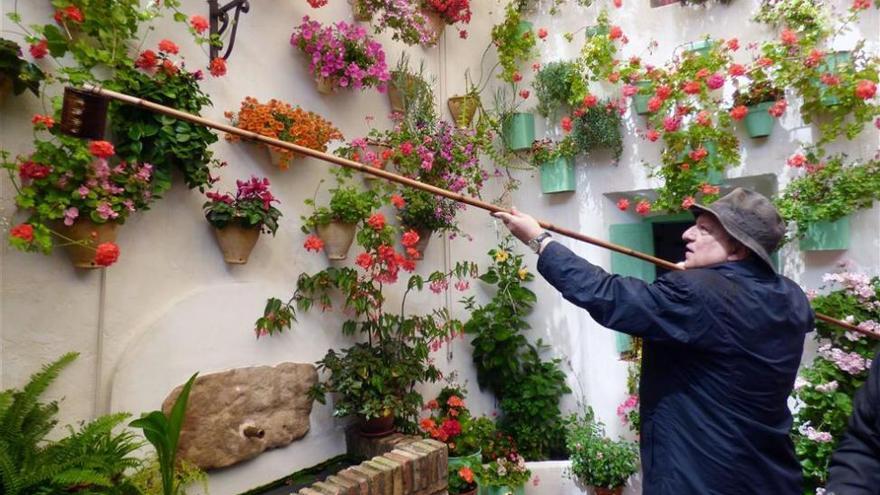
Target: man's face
[[707, 243]]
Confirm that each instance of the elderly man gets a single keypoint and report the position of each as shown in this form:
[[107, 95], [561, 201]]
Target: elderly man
[[722, 344]]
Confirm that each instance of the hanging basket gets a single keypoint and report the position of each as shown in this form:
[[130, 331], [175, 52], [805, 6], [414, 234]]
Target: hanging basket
[[518, 131], [396, 92], [282, 159], [436, 26], [830, 64], [557, 175], [88, 235], [360, 11], [324, 85], [759, 122], [337, 237], [462, 109], [827, 236], [236, 242]]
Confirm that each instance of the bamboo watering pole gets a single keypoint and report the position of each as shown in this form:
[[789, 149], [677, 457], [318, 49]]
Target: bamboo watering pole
[[343, 162]]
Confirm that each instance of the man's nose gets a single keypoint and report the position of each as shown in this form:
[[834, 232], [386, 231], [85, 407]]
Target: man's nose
[[688, 234]]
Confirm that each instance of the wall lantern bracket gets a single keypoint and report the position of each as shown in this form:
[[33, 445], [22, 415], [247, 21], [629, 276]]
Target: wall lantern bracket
[[219, 22]]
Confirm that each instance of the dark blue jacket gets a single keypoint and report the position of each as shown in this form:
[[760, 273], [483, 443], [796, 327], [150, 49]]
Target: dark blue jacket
[[722, 345], [855, 464]]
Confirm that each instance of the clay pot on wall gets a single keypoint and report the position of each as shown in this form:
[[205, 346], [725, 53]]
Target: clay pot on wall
[[337, 237], [236, 242], [462, 109], [377, 427], [87, 236]]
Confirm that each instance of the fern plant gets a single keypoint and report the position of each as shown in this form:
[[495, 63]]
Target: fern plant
[[91, 459]]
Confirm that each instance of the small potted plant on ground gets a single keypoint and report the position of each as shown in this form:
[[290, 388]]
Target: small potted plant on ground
[[596, 460], [279, 120], [341, 56], [463, 479], [820, 201], [238, 220], [16, 73], [555, 160], [506, 475], [336, 223]]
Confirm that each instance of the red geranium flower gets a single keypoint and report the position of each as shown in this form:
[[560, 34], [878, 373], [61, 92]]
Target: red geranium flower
[[106, 254], [590, 101], [643, 208], [30, 170], [410, 238], [733, 44], [377, 221], [739, 113], [101, 149], [698, 154], [199, 23], [778, 108], [542, 33], [736, 70], [524, 94], [687, 202], [24, 232], [218, 67], [788, 37], [654, 104], [709, 189], [398, 201], [797, 160], [663, 92], [622, 204], [865, 89], [652, 135], [168, 46], [566, 124], [43, 120], [313, 243], [364, 260], [147, 60], [39, 49], [691, 87], [615, 32]]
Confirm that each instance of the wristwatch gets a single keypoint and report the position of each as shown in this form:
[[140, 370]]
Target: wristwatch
[[535, 244]]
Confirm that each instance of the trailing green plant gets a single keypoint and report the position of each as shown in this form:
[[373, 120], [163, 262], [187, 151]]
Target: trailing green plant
[[527, 388], [557, 85], [163, 432], [811, 20], [89, 459], [598, 126], [597, 56], [830, 189], [514, 42], [597, 460], [165, 142], [824, 389], [21, 74], [415, 92]]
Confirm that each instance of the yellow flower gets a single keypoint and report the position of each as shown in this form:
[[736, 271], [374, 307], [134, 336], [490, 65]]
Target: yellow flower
[[522, 273], [501, 256]]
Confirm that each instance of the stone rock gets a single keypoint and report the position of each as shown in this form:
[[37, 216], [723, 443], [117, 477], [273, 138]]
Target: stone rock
[[235, 415]]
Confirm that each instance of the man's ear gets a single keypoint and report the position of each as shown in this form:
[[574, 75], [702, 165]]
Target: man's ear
[[740, 252]]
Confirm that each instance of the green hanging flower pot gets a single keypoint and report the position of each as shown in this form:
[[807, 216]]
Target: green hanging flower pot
[[502, 490], [699, 48], [557, 175], [593, 31], [831, 65], [827, 236], [759, 122], [523, 27], [518, 131], [640, 101]]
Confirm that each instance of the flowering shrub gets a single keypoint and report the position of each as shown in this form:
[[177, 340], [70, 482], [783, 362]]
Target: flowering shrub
[[452, 12], [405, 18], [450, 422], [342, 54], [595, 459], [829, 189], [251, 207], [279, 120], [67, 178], [376, 377], [824, 389]]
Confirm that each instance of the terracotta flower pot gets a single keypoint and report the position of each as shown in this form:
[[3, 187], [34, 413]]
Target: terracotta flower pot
[[236, 242], [360, 11], [462, 109], [337, 237], [396, 92], [282, 159], [324, 85], [472, 491], [608, 491], [377, 427], [436, 25], [88, 235]]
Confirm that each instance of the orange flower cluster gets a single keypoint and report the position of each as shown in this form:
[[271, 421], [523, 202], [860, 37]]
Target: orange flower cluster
[[280, 120]]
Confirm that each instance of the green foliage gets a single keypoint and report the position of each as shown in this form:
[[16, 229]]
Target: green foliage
[[810, 20], [514, 41], [415, 92], [451, 422], [509, 471], [824, 389], [148, 479], [421, 210], [829, 190], [90, 459], [595, 459], [163, 432], [558, 84], [348, 204], [546, 150], [599, 127], [597, 57], [22, 74], [528, 389], [165, 142]]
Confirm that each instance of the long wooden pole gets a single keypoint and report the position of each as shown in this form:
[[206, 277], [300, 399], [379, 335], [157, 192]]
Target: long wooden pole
[[406, 181]]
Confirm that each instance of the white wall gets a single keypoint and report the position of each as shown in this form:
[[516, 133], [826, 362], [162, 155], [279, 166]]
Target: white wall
[[170, 306]]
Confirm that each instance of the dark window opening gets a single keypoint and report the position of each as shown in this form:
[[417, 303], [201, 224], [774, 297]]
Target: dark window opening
[[668, 244]]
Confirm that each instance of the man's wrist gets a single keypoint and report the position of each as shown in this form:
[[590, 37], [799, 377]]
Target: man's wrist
[[544, 244], [537, 243]]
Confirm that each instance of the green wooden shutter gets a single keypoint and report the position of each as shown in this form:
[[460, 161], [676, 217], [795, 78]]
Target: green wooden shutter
[[640, 237]]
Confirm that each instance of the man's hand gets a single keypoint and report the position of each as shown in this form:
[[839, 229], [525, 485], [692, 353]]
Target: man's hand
[[524, 227]]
